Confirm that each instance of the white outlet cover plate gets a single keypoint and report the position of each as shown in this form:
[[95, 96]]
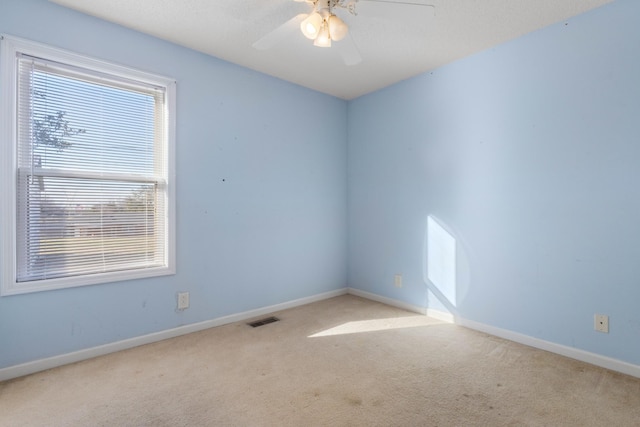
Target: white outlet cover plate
[[183, 300], [397, 280], [601, 323]]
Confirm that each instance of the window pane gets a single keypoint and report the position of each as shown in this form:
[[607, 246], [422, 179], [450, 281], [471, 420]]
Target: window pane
[[84, 126], [77, 227]]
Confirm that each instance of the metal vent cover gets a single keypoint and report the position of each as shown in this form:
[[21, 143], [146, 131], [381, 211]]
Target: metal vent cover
[[264, 321]]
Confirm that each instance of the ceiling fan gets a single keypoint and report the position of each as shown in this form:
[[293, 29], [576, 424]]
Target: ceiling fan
[[323, 26]]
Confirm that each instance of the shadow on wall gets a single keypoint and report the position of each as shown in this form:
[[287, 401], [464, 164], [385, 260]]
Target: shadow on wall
[[446, 270]]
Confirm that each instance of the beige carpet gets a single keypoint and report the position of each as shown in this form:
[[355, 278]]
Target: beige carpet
[[340, 362]]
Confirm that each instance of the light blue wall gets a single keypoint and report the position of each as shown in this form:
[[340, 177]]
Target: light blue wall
[[529, 155], [261, 207]]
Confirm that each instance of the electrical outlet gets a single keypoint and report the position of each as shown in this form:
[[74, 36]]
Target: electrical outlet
[[397, 280], [183, 300], [601, 323]]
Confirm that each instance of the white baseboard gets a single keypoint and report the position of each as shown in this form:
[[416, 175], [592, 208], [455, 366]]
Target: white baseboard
[[573, 353], [441, 315], [65, 359], [385, 300]]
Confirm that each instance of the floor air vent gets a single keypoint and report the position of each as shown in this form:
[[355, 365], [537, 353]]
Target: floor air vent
[[261, 322]]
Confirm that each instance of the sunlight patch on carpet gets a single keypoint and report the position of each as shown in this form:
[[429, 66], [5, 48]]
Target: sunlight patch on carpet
[[374, 325]]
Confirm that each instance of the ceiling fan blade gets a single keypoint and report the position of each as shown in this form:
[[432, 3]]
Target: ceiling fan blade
[[349, 51], [280, 33]]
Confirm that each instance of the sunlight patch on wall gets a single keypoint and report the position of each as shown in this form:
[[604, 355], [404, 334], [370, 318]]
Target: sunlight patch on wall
[[441, 260]]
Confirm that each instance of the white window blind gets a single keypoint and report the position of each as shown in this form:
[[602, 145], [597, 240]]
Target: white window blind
[[91, 173]]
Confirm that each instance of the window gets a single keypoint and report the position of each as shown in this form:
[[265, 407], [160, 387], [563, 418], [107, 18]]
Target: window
[[87, 176]]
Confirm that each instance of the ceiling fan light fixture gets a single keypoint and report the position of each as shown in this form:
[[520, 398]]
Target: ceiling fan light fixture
[[323, 39], [337, 28], [312, 25]]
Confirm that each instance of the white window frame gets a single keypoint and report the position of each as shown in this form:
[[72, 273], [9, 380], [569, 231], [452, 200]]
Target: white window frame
[[10, 47]]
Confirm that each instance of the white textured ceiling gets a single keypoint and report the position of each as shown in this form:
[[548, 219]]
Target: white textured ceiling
[[396, 41]]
